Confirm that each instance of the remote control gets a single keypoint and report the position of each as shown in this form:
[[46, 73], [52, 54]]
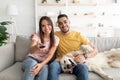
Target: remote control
[[42, 46]]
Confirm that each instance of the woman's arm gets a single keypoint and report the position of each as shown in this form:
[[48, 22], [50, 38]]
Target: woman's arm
[[50, 55], [51, 51], [34, 44]]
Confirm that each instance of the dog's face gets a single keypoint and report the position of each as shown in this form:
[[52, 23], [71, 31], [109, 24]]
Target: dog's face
[[67, 61], [67, 64]]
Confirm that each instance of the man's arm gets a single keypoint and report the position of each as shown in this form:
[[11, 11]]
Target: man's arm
[[82, 57], [92, 53]]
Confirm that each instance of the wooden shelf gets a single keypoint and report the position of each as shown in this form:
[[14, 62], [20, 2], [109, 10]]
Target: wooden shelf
[[63, 4], [51, 4], [74, 16], [77, 4], [109, 4]]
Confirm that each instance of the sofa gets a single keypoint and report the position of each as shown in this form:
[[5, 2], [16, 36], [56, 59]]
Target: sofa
[[12, 55]]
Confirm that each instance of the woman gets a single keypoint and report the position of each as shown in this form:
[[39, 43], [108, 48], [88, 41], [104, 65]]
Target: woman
[[42, 49]]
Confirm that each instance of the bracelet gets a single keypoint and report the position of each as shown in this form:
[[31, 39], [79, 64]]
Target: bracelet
[[85, 55]]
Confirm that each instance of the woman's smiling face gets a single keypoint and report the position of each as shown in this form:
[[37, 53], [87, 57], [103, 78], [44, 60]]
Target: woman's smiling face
[[46, 27]]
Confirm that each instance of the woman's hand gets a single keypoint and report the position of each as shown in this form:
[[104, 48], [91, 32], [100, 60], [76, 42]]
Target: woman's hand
[[35, 46], [36, 69]]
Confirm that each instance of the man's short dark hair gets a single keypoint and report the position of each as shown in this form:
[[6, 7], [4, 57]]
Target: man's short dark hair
[[62, 15]]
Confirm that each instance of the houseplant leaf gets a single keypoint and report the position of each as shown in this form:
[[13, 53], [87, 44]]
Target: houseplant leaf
[[3, 34]]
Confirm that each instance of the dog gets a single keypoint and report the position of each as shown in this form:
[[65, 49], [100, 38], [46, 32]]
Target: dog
[[107, 59], [67, 62]]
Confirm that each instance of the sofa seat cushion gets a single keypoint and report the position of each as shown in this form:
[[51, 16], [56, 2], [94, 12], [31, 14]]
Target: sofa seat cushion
[[114, 72], [15, 73], [12, 73], [92, 76]]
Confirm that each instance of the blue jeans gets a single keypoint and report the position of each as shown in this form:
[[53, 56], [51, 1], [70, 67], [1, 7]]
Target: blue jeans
[[80, 70], [28, 64]]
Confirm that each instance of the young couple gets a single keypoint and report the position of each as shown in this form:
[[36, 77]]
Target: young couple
[[45, 43]]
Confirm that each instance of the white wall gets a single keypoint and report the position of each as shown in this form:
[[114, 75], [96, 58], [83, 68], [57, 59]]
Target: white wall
[[25, 20]]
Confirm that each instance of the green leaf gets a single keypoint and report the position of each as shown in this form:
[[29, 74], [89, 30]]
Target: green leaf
[[3, 28], [6, 22], [3, 34]]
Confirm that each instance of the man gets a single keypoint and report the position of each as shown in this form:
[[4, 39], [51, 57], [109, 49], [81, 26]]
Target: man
[[70, 41]]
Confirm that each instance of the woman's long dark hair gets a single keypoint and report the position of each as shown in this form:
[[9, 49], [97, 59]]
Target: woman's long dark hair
[[41, 33]]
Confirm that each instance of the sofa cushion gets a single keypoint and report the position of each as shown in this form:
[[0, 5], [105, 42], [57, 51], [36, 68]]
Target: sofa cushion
[[105, 43], [6, 55], [12, 73], [114, 72], [15, 73], [22, 47], [92, 76]]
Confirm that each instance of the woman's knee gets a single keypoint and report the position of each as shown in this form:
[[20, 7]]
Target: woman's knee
[[43, 73], [29, 63], [45, 68]]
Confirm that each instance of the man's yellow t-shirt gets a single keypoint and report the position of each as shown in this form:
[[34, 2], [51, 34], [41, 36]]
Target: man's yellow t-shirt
[[70, 42]]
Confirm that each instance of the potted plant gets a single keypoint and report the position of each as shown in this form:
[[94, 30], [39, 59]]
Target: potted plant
[[57, 1], [3, 32], [44, 1]]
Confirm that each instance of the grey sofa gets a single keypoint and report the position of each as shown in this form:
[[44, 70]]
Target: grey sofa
[[12, 55]]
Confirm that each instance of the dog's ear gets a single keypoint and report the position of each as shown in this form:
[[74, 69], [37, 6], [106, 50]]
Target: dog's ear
[[64, 61], [72, 62]]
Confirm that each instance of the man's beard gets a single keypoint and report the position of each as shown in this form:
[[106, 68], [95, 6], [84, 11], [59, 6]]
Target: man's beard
[[65, 31]]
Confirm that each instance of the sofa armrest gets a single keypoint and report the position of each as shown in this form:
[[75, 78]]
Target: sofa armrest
[[6, 55]]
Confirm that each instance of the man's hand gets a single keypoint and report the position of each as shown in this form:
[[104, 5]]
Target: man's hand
[[79, 58]]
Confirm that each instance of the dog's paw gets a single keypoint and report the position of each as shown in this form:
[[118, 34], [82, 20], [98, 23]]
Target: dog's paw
[[108, 78]]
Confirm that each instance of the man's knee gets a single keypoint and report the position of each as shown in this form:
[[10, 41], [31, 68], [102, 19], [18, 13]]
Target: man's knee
[[82, 67], [54, 64]]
